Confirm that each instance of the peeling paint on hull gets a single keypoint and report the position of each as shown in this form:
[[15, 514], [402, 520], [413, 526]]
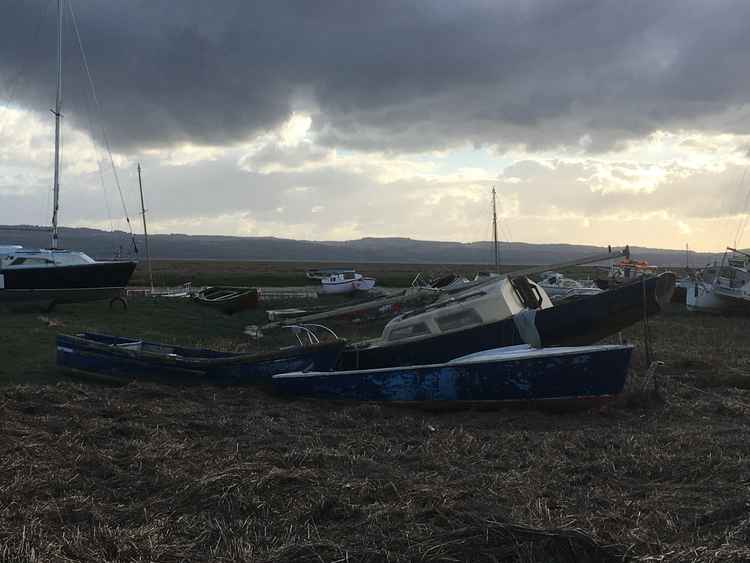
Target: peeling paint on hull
[[586, 373]]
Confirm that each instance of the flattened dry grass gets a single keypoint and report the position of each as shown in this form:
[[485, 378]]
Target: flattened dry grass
[[155, 473]]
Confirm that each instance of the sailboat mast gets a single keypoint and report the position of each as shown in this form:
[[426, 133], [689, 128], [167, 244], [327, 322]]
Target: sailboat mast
[[56, 112], [145, 231], [494, 231]]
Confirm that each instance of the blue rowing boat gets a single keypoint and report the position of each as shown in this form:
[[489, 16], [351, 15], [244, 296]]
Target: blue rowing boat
[[122, 359], [510, 374]]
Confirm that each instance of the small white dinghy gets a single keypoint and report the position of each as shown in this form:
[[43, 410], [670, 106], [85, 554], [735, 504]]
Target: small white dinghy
[[344, 282]]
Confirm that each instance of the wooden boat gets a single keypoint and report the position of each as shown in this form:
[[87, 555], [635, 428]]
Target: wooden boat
[[229, 300], [123, 359], [486, 317], [513, 374]]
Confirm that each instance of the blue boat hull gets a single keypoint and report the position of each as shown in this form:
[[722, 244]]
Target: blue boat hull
[[108, 358], [596, 374], [578, 322]]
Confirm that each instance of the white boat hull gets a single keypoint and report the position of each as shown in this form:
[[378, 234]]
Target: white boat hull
[[704, 297], [335, 288], [364, 284]]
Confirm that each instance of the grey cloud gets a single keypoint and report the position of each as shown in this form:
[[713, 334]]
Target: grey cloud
[[391, 74]]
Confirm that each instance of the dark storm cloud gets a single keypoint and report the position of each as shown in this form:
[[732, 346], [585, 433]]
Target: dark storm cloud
[[390, 74]]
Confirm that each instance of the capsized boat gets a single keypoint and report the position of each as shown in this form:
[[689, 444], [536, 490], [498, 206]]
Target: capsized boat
[[123, 359], [490, 315], [512, 374], [228, 299]]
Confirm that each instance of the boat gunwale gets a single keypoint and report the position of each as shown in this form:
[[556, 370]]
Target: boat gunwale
[[573, 350]]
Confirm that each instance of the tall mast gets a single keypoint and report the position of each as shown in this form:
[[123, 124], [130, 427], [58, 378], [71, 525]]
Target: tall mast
[[56, 112], [494, 231], [145, 231]]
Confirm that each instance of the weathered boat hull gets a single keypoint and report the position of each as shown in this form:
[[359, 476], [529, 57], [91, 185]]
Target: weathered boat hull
[[570, 323], [555, 374], [124, 359]]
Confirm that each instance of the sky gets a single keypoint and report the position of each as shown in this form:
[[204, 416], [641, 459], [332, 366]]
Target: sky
[[596, 121]]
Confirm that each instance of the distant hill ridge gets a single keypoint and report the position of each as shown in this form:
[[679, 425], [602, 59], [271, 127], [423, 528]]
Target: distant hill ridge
[[103, 244]]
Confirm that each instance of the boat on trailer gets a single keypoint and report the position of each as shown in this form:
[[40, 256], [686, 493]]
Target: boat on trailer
[[229, 300], [123, 359], [502, 375]]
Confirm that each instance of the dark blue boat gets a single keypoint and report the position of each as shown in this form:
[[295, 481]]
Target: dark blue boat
[[511, 374], [122, 359], [575, 322]]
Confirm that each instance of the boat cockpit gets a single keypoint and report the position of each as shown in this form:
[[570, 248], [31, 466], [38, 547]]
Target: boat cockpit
[[18, 258]]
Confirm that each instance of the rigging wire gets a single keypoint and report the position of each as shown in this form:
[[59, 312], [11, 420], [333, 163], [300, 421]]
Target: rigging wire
[[100, 169], [103, 130], [99, 159]]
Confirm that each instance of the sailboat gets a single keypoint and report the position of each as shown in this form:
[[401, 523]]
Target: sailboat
[[56, 275]]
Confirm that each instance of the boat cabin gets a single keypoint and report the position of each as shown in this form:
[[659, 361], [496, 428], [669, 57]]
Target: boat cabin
[[19, 258], [495, 301], [321, 273]]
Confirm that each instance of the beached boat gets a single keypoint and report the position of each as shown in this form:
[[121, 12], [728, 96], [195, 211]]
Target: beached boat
[[54, 275], [497, 313], [345, 282], [513, 374], [624, 271], [122, 359], [229, 300]]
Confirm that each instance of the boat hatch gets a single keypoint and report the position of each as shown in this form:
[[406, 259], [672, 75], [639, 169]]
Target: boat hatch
[[527, 293]]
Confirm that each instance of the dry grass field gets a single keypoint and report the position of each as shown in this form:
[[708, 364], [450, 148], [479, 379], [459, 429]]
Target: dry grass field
[[264, 274], [156, 473]]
